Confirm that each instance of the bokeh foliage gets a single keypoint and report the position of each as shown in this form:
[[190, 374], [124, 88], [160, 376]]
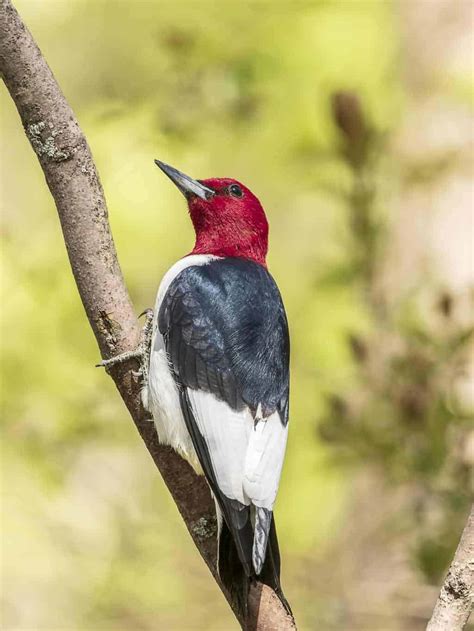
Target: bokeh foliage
[[242, 89], [404, 414]]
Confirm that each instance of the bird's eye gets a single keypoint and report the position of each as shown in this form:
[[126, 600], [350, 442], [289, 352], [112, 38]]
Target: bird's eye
[[235, 190]]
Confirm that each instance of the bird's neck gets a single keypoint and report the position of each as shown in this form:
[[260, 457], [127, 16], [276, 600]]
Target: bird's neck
[[229, 244]]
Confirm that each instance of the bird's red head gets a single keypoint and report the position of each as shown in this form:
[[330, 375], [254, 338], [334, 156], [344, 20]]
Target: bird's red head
[[231, 222], [228, 219]]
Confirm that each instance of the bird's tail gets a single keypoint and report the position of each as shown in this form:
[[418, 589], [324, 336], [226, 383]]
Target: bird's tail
[[232, 573], [230, 568]]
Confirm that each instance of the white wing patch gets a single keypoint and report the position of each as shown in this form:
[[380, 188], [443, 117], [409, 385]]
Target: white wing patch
[[264, 460], [246, 455], [227, 435]]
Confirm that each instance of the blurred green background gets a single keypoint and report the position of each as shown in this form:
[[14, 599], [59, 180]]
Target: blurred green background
[[352, 122]]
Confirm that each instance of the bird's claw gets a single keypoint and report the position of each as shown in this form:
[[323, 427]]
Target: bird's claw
[[148, 312], [141, 353]]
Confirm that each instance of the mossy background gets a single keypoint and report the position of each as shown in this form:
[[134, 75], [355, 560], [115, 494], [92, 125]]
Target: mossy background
[[371, 248]]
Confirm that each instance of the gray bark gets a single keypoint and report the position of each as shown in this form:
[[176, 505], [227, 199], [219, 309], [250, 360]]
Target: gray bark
[[456, 599]]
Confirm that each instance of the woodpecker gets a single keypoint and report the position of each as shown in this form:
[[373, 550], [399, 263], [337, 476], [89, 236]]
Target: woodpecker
[[216, 375]]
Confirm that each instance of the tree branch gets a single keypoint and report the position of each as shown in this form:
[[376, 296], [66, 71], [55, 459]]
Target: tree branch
[[70, 173], [456, 599]]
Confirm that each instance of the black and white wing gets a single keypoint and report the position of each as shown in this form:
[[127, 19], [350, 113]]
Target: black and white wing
[[226, 336]]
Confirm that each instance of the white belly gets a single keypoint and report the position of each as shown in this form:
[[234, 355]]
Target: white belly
[[161, 397]]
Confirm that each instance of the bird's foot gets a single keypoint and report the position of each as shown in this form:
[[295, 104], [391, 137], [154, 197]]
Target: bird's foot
[[141, 353]]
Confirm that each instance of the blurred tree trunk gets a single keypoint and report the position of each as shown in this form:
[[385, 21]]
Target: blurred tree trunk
[[70, 173], [456, 599]]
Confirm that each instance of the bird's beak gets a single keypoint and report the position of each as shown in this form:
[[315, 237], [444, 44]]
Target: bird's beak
[[186, 184]]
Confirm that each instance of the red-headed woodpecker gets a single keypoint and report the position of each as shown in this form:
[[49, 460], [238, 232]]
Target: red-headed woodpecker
[[217, 377]]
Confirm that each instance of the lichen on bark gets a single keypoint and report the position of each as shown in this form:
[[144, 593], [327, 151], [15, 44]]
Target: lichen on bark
[[43, 141]]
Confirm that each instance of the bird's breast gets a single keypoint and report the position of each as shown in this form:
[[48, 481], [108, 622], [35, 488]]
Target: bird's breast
[[161, 397]]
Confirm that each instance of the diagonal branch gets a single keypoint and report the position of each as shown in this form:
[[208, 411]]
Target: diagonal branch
[[456, 599], [70, 173]]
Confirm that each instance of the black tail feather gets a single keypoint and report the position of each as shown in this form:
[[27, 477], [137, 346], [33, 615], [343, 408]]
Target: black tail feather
[[233, 575], [230, 568]]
